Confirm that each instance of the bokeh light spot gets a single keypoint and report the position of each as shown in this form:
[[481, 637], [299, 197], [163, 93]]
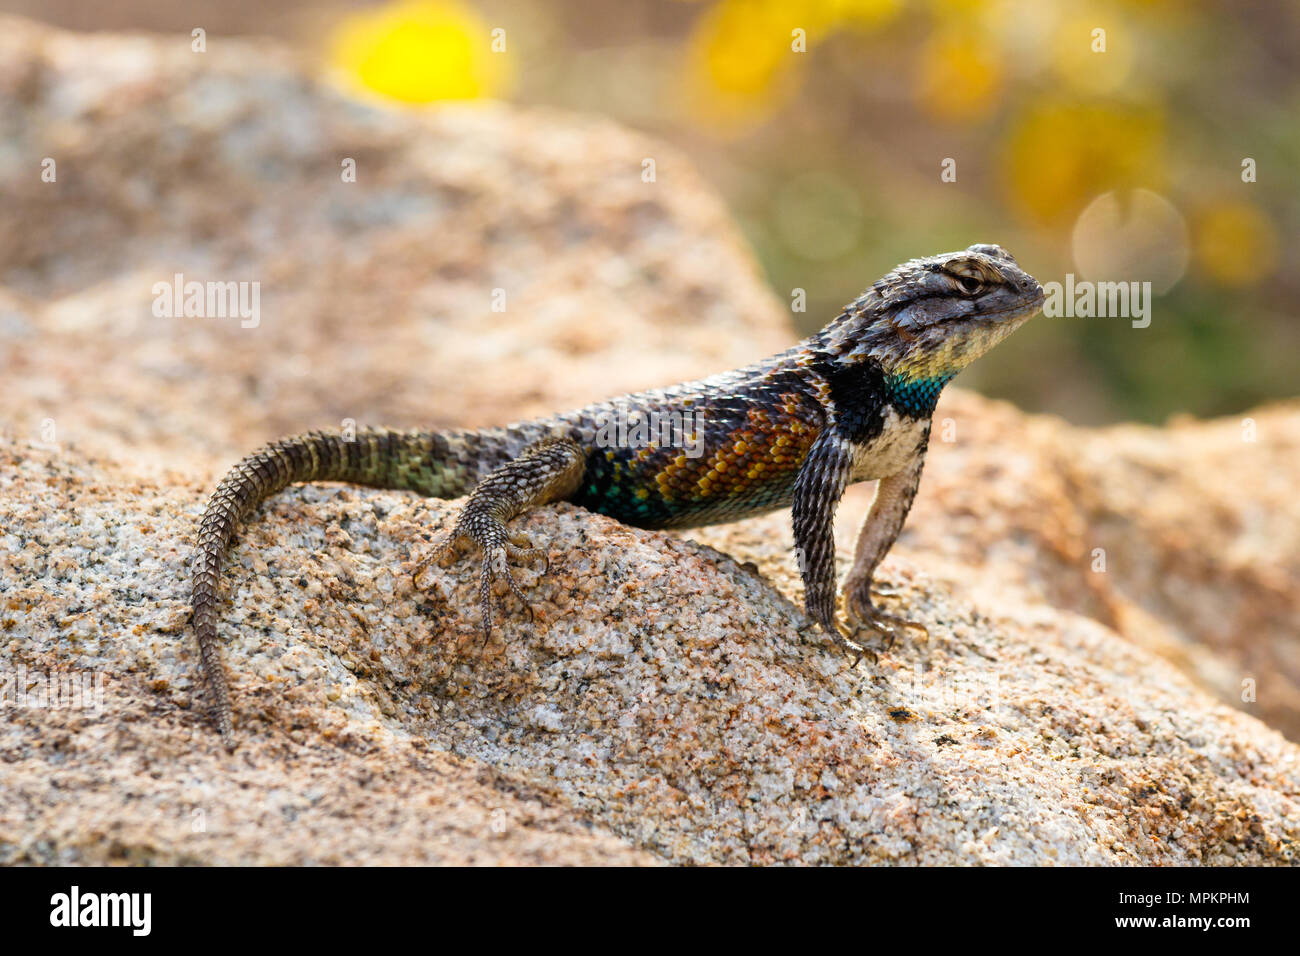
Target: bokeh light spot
[[1236, 242], [1061, 153], [1132, 236], [818, 216], [421, 51], [959, 76]]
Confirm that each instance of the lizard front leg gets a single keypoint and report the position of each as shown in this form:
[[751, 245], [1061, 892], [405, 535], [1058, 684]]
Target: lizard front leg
[[880, 530], [818, 487], [549, 470]]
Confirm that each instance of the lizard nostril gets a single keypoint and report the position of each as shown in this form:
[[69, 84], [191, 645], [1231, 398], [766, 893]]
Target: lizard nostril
[[1028, 285]]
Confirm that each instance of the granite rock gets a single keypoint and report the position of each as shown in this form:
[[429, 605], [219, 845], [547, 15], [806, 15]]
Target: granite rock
[[488, 263], [1185, 539], [668, 700]]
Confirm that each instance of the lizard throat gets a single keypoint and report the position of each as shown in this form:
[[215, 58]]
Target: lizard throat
[[914, 382], [915, 395]]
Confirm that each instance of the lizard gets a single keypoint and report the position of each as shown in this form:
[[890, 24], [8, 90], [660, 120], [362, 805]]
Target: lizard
[[852, 402]]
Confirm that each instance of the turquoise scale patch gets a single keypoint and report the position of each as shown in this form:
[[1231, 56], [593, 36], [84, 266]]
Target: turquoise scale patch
[[915, 395]]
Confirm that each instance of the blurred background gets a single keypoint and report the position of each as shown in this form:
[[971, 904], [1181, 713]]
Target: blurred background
[[1107, 140]]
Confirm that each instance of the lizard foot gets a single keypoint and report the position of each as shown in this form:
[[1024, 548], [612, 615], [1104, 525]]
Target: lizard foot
[[866, 616], [854, 645], [848, 641], [498, 551], [843, 637]]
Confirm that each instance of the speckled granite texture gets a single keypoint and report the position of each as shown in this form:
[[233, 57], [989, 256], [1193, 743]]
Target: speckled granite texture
[[665, 696]]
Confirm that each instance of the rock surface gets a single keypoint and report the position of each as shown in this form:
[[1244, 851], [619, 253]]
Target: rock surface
[[1185, 539], [665, 695], [668, 704], [378, 298]]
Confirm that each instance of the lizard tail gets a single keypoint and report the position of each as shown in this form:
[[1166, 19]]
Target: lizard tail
[[438, 464]]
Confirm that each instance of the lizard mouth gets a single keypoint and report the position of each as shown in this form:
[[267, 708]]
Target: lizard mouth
[[995, 317], [1039, 295], [1024, 307]]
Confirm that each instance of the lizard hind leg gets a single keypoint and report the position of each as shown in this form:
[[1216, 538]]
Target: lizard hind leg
[[549, 470]]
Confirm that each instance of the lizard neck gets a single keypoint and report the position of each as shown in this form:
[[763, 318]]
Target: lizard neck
[[915, 394], [867, 386]]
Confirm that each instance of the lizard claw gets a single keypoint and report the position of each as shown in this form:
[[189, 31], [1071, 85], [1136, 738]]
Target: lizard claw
[[519, 548], [436, 556], [850, 641], [866, 616], [888, 626], [882, 618], [498, 552], [494, 563], [846, 639]]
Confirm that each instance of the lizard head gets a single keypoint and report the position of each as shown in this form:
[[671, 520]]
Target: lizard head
[[929, 318]]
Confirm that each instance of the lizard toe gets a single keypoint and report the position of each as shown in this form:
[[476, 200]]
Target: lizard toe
[[485, 597], [864, 614], [442, 550], [520, 549], [496, 565]]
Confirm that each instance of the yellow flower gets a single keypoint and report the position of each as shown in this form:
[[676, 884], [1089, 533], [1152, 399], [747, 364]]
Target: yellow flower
[[864, 13], [740, 63], [419, 51], [1236, 242], [744, 57], [1094, 54], [1060, 154], [959, 76]]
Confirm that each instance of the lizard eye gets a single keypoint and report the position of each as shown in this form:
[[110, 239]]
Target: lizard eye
[[969, 284]]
